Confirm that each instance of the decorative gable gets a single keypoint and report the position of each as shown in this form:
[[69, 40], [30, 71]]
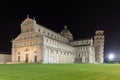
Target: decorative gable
[[28, 21]]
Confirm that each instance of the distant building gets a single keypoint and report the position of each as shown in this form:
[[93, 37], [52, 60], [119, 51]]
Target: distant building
[[5, 57], [39, 44]]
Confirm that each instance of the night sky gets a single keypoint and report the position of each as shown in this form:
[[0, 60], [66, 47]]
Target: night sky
[[81, 17]]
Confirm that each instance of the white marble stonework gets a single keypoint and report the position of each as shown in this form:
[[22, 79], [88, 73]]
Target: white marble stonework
[[5, 58], [38, 44]]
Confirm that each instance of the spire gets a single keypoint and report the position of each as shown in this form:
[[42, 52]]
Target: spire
[[27, 15]]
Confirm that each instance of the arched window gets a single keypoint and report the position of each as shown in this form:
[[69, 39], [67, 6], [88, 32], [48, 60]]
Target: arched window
[[38, 30], [27, 30], [18, 53], [51, 51], [51, 35], [36, 35], [79, 55]]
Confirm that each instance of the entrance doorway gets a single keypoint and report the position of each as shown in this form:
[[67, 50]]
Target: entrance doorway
[[18, 58], [35, 58], [26, 58]]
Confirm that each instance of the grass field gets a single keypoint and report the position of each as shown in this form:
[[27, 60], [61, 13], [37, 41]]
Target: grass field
[[59, 72]]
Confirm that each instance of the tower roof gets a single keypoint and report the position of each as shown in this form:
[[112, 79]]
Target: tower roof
[[99, 27]]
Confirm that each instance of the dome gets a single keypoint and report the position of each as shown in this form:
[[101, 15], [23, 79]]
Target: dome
[[66, 33]]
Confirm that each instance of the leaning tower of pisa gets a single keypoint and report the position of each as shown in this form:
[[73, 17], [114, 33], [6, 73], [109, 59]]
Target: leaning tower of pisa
[[99, 46]]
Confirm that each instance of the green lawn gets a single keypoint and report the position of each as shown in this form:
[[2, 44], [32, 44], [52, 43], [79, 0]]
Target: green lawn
[[59, 72]]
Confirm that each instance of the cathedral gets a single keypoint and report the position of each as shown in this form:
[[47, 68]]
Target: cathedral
[[38, 44]]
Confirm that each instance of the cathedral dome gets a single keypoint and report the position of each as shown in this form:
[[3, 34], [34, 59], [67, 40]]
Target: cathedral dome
[[66, 33]]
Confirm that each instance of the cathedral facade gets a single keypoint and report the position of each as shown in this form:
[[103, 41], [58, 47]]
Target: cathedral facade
[[38, 44]]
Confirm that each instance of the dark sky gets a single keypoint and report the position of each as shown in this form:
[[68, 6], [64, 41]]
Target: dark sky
[[81, 17]]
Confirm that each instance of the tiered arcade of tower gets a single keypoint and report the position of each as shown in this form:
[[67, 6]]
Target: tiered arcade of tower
[[99, 46]]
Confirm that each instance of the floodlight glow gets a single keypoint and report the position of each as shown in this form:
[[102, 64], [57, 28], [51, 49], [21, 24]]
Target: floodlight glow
[[111, 56]]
